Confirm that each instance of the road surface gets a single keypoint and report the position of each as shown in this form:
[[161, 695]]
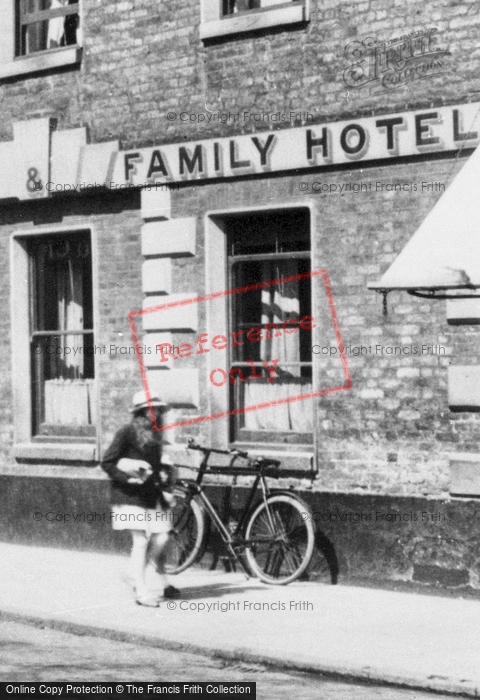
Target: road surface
[[34, 654]]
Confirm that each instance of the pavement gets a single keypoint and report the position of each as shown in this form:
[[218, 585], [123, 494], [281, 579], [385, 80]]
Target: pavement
[[402, 638]]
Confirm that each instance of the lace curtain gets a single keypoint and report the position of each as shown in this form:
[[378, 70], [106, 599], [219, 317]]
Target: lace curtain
[[70, 316], [70, 402], [69, 396], [279, 303]]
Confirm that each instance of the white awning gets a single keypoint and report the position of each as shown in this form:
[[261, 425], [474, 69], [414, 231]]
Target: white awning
[[444, 253]]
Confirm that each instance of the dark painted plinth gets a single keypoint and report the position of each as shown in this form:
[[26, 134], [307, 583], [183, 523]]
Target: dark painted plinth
[[378, 539]]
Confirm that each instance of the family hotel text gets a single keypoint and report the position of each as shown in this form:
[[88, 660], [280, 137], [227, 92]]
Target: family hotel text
[[372, 138]]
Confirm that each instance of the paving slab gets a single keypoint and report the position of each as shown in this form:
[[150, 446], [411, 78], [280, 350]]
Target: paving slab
[[409, 639]]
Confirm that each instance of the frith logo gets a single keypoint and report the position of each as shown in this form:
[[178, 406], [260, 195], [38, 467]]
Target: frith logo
[[394, 62]]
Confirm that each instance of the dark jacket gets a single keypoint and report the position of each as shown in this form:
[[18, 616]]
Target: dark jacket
[[125, 444]]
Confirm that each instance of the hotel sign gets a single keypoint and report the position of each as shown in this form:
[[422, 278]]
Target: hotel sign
[[48, 162], [366, 139]]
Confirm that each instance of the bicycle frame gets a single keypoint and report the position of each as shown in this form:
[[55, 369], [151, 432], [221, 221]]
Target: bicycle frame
[[231, 540]]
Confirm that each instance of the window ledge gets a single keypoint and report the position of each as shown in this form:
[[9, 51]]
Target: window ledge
[[253, 21], [301, 461], [42, 61], [56, 451], [465, 474], [53, 471], [291, 460]]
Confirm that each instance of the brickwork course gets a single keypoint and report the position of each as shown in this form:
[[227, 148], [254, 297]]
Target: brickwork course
[[391, 434]]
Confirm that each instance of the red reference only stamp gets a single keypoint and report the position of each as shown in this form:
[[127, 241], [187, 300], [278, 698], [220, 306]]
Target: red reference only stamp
[[274, 351]]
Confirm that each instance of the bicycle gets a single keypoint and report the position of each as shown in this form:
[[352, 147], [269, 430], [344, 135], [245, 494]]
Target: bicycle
[[272, 540]]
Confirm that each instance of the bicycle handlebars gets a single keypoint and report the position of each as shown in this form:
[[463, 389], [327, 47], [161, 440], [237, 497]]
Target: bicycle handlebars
[[234, 452], [192, 445]]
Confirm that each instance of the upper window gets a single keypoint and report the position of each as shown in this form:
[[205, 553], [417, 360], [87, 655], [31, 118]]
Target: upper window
[[223, 17], [42, 25], [231, 7], [61, 339], [39, 35], [271, 360]]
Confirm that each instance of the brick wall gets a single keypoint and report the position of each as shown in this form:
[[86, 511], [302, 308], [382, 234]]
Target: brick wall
[[115, 221], [144, 58], [393, 430]]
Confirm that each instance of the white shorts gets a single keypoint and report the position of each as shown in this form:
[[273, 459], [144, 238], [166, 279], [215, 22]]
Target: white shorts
[[153, 520]]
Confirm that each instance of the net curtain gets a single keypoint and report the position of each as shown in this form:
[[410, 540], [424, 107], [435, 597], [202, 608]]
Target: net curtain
[[279, 303], [69, 398]]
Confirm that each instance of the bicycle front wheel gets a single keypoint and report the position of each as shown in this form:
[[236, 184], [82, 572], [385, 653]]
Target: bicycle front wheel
[[280, 539], [188, 535]]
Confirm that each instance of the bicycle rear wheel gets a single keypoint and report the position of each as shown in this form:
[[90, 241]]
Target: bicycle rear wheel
[[188, 536], [280, 539]]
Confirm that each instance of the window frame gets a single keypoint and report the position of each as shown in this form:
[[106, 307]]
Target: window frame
[[35, 17], [38, 336], [217, 321], [79, 449], [215, 24], [238, 433], [12, 65], [276, 5]]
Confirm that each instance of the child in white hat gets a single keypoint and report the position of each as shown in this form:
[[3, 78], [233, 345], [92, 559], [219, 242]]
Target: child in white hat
[[141, 493]]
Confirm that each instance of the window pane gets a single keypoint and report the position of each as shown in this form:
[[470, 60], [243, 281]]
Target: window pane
[[41, 34], [276, 415], [35, 37], [63, 362], [271, 356], [270, 309], [233, 6], [257, 235], [63, 272]]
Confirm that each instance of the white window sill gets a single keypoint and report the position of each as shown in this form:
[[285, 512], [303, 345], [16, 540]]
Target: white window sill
[[56, 451], [253, 21], [465, 474], [301, 461], [54, 471], [41, 61], [291, 460]]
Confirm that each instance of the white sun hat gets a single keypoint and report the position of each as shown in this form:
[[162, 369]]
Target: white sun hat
[[140, 401]]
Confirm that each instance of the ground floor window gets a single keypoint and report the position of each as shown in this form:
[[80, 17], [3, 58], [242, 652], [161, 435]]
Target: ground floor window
[[62, 339], [271, 358]]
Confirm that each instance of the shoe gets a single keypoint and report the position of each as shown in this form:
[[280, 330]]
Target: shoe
[[148, 601], [171, 592]]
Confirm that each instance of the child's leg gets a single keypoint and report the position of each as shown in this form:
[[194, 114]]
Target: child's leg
[[158, 544], [138, 561]]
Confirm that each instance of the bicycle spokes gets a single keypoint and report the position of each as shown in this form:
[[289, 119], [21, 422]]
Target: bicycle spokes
[[188, 536], [278, 540]]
